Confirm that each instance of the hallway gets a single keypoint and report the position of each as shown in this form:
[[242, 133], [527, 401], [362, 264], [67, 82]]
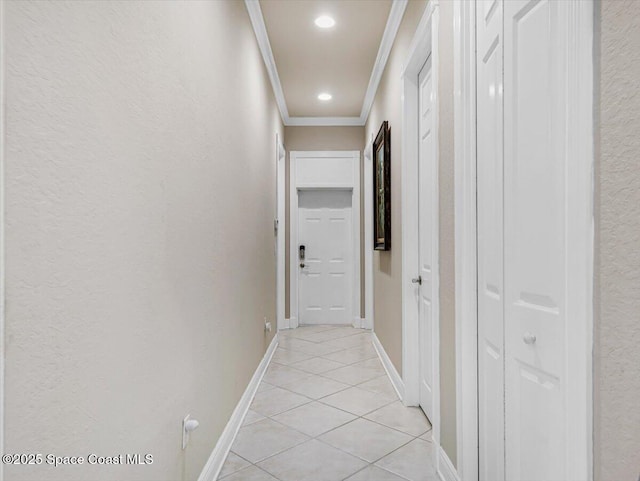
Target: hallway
[[326, 393], [189, 189]]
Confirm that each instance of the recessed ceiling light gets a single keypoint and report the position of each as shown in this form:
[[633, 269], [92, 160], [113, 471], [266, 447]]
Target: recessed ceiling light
[[324, 96], [325, 21]]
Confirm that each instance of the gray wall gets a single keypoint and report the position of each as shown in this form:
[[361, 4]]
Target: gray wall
[[448, 434], [388, 265], [617, 263], [140, 192]]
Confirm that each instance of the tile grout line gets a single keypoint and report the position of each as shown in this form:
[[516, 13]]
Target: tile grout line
[[370, 463], [310, 375]]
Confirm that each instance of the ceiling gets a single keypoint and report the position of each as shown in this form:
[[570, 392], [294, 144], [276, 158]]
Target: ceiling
[[342, 60]]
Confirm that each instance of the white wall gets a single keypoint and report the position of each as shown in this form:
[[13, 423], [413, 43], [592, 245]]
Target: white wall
[[140, 193]]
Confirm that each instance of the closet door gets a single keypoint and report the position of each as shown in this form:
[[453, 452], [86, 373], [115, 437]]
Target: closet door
[[537, 104], [490, 242], [535, 234]]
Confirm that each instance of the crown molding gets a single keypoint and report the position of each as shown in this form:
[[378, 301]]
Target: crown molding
[[388, 37], [260, 29], [324, 121]]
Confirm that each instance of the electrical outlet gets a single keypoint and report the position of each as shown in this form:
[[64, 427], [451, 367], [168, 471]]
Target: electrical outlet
[[267, 325], [185, 431], [188, 425]]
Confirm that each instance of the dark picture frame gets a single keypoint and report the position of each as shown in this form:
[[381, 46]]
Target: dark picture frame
[[382, 189]]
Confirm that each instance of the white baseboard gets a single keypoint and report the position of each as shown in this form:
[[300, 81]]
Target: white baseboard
[[360, 323], [395, 378], [290, 323], [445, 468], [214, 464]]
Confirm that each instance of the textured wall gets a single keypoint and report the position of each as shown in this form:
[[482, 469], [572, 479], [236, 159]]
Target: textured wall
[[448, 434], [617, 313], [140, 191], [387, 265], [320, 138]]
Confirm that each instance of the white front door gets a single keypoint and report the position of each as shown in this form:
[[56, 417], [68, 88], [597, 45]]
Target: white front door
[[325, 268], [534, 228], [426, 216]]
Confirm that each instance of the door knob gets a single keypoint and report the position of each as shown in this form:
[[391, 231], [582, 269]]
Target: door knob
[[529, 338], [417, 280], [302, 254]]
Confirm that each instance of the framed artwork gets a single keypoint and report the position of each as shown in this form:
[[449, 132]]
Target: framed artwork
[[382, 189]]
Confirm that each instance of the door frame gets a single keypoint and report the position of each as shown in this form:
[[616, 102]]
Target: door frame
[[423, 45], [465, 226], [339, 179], [582, 230], [367, 188], [279, 227], [2, 228]]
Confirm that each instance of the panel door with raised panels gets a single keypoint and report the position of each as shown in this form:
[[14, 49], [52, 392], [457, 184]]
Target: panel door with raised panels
[[426, 192], [536, 106], [534, 225], [325, 274], [490, 242]]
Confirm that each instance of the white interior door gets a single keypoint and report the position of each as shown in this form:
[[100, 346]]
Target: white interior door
[[325, 270], [427, 234], [534, 226], [537, 109], [490, 243]]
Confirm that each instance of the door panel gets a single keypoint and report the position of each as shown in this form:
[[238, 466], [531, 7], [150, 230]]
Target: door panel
[[490, 242], [527, 209], [535, 109], [325, 281], [426, 215]]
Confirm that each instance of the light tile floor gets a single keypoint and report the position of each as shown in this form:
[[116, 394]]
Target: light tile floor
[[326, 411]]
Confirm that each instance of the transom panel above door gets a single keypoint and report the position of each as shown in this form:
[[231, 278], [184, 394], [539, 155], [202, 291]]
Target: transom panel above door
[[324, 262]]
